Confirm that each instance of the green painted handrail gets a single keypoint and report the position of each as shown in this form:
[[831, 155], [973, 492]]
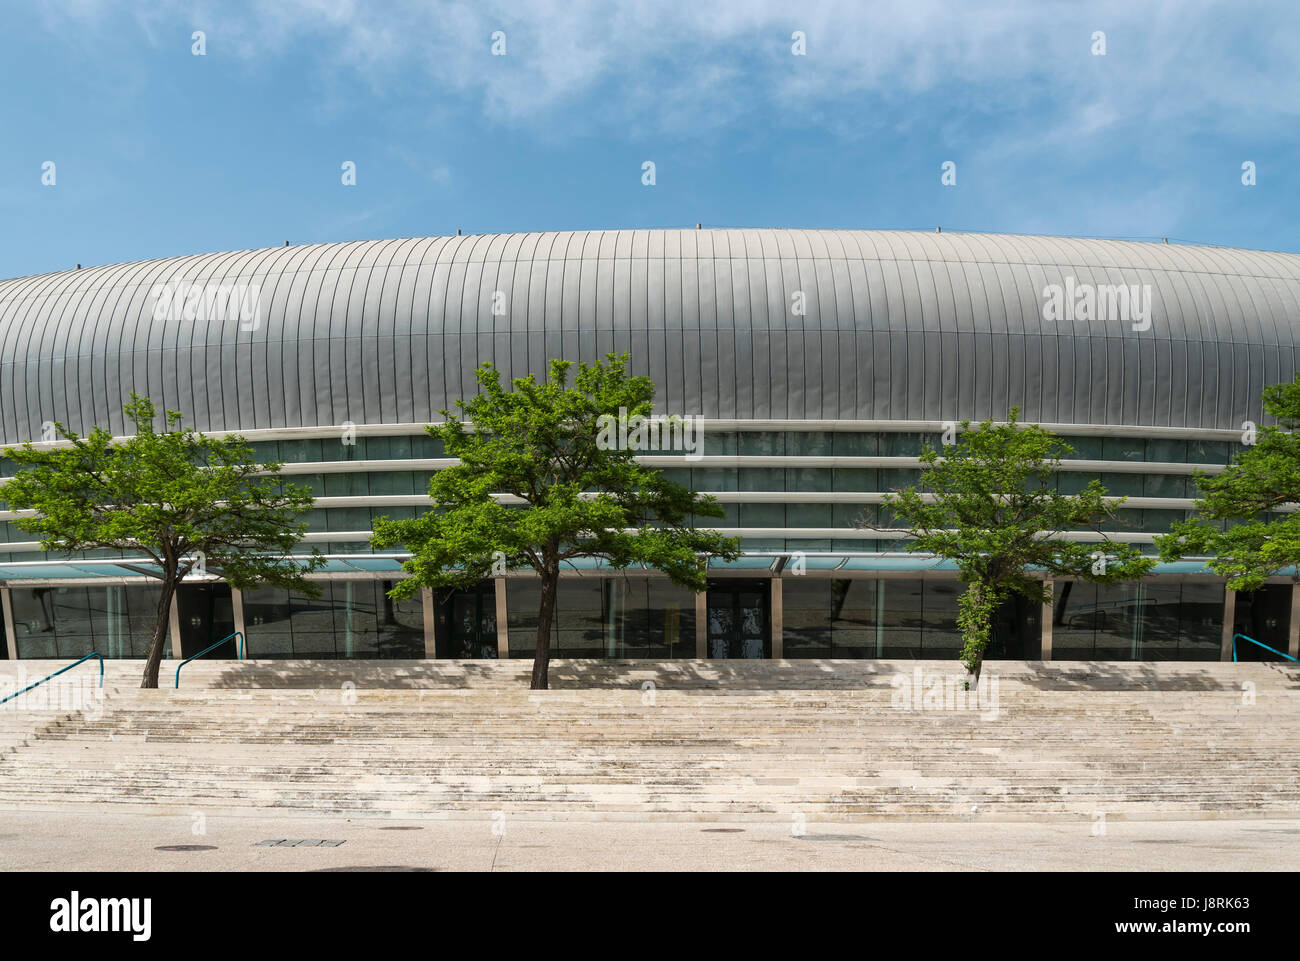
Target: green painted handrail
[[60, 671], [211, 647], [1257, 644]]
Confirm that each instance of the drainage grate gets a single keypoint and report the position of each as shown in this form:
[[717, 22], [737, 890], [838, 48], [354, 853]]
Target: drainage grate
[[402, 827], [186, 847], [833, 837], [722, 830], [290, 843]]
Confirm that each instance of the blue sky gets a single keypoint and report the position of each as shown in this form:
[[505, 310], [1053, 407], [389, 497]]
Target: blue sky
[[160, 153]]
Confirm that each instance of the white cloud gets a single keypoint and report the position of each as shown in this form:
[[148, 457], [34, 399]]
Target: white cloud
[[659, 64]]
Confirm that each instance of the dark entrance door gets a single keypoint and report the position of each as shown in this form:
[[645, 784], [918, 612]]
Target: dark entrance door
[[206, 614], [1017, 630], [467, 623], [739, 619], [1265, 615]]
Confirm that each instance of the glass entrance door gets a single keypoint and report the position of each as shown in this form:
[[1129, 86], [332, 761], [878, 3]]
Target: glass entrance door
[[739, 622], [468, 624], [1265, 615], [206, 614]]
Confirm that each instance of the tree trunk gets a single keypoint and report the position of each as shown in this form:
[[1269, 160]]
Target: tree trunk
[[545, 618], [161, 632], [975, 620]]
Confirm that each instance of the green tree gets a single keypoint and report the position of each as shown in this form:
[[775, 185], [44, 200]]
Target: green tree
[[990, 504], [187, 501], [574, 494], [1258, 491]]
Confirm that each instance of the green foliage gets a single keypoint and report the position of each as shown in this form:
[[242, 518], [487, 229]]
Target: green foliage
[[989, 503], [173, 495], [170, 495], [539, 444], [1254, 490]]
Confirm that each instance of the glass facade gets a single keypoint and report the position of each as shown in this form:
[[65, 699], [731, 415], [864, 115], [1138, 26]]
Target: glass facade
[[70, 622], [613, 617], [834, 617], [1137, 621], [349, 619], [869, 617]]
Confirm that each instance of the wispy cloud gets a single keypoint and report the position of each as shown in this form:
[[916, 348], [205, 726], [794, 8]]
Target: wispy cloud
[[646, 63]]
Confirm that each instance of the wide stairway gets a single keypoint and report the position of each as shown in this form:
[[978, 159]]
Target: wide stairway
[[670, 740]]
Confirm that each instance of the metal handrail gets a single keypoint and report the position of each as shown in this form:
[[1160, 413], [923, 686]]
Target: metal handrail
[[1257, 644], [212, 647], [60, 671]]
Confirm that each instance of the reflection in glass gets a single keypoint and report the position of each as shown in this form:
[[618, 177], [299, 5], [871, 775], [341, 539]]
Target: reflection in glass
[[349, 619], [70, 622]]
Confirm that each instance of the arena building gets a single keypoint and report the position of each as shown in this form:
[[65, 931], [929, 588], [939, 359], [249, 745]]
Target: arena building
[[820, 362]]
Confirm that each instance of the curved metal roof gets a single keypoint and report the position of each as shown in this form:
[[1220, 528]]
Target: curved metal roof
[[897, 325]]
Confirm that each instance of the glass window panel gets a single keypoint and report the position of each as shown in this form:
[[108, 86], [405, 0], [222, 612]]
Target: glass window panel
[[1165, 485], [857, 479], [713, 479], [1086, 448], [579, 613], [1074, 482], [1122, 485], [1200, 621], [1074, 620], [760, 442], [1123, 448], [900, 617], [907, 444], [70, 622], [941, 637], [892, 480], [853, 617], [855, 444], [347, 518], [523, 600], [853, 515], [300, 451], [807, 616], [763, 515], [810, 444], [346, 485], [266, 452], [388, 483], [762, 479], [810, 515], [1209, 451], [719, 442], [669, 617], [812, 479], [1166, 451]]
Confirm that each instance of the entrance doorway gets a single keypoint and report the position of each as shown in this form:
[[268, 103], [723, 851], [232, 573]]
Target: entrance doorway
[[206, 614], [739, 619], [466, 624], [1265, 615]]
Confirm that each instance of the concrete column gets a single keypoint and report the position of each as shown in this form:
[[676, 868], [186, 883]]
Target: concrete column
[[702, 624], [503, 628], [426, 602], [11, 636], [778, 620], [174, 623], [1293, 635], [237, 608], [1229, 618], [1046, 618]]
